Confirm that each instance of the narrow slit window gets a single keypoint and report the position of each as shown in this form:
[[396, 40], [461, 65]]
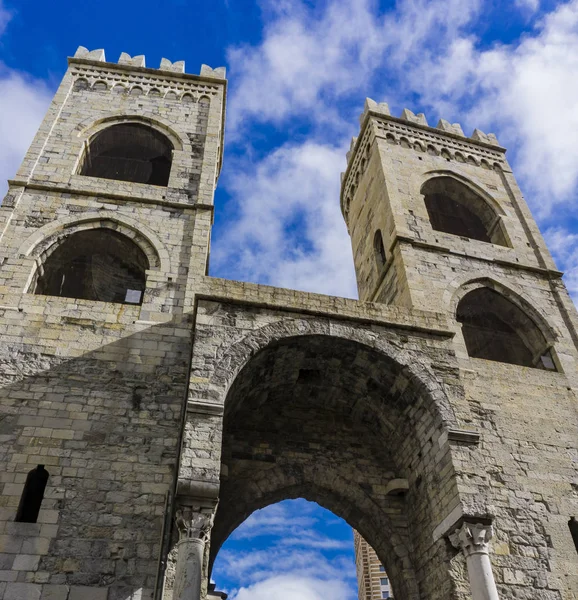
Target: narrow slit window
[[573, 526], [379, 250], [32, 495]]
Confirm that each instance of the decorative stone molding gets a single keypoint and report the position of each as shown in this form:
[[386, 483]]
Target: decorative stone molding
[[194, 522], [205, 408], [472, 538], [464, 436], [412, 132], [86, 77]]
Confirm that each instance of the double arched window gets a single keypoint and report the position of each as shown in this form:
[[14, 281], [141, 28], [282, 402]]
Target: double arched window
[[454, 208], [129, 152], [495, 328], [95, 264]]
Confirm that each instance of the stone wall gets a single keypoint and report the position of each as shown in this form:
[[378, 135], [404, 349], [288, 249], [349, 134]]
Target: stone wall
[[96, 391]]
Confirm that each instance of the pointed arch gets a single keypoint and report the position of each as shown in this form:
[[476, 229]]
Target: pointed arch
[[463, 285], [499, 328], [455, 207]]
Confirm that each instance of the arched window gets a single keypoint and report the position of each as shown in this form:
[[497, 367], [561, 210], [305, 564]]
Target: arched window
[[379, 250], [129, 152], [98, 264], [32, 495], [495, 328], [454, 208]]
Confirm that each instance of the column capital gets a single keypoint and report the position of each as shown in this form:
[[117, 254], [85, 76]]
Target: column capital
[[194, 522], [472, 538]]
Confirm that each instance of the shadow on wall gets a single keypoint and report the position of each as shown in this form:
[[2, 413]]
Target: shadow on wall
[[106, 426]]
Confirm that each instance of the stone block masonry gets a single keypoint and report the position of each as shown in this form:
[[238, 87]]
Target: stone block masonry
[[164, 424]]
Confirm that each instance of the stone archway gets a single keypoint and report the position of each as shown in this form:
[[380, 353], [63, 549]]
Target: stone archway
[[338, 422]]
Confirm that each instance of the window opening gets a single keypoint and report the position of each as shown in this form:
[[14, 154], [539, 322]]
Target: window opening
[[99, 264], [379, 249], [450, 216], [129, 152], [573, 525], [495, 328], [455, 209], [32, 495]]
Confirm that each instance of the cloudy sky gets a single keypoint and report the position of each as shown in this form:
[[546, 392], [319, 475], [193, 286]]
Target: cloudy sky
[[299, 71]]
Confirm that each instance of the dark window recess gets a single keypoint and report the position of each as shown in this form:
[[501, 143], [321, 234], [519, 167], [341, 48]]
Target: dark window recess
[[456, 209], [99, 264], [379, 249], [129, 152], [32, 495], [495, 328], [573, 525], [452, 217]]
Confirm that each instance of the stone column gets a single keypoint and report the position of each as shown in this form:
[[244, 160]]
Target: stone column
[[474, 540], [194, 524]]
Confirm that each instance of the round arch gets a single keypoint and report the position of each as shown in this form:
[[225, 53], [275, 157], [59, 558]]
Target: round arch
[[231, 359], [327, 416], [48, 235], [497, 323], [88, 128]]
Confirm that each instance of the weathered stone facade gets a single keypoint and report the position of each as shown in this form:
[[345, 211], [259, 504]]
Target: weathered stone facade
[[163, 425]]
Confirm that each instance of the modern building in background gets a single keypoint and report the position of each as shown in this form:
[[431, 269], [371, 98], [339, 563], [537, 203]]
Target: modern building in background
[[372, 580], [147, 408]]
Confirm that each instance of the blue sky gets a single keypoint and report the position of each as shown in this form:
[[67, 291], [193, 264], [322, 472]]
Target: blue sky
[[299, 71]]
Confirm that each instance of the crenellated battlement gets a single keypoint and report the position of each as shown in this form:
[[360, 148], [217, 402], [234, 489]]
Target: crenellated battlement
[[140, 62], [412, 131]]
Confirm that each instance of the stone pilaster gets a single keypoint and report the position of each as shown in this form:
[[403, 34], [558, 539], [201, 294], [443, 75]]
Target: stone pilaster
[[474, 541]]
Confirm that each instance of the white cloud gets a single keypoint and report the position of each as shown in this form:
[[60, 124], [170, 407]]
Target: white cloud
[[276, 520], [294, 552], [290, 587], [289, 230], [307, 60], [23, 102], [564, 246], [527, 91], [528, 5]]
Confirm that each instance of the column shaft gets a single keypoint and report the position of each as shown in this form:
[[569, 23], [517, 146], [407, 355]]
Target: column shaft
[[189, 569]]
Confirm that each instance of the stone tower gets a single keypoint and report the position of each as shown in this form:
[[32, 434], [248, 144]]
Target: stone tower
[[148, 409]]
